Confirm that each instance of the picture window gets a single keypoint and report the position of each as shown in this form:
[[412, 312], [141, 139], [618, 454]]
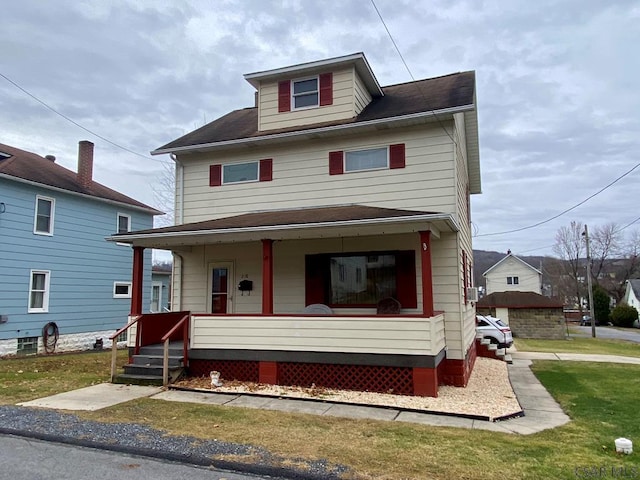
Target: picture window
[[370, 159]]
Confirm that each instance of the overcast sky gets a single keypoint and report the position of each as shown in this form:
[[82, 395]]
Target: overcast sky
[[557, 88]]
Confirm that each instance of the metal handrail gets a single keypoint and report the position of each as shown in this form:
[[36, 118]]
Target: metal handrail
[[114, 344], [184, 323]]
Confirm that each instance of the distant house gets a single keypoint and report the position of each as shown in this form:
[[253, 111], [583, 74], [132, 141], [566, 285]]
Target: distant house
[[62, 286], [512, 274], [632, 294], [160, 289], [336, 195]]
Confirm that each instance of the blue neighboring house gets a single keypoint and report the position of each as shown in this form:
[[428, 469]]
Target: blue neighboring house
[[160, 288], [62, 286]]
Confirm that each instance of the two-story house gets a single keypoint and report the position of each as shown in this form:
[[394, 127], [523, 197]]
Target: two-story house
[[299, 219], [62, 286], [512, 274]]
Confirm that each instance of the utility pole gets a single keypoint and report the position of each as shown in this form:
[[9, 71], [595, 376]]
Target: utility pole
[[591, 311]]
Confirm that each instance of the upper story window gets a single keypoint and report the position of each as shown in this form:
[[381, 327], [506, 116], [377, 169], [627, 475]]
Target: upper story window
[[124, 223], [43, 222], [305, 93], [39, 291], [258, 171], [370, 159], [240, 172], [379, 158], [513, 280]]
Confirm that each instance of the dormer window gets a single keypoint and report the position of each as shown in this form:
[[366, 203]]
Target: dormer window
[[304, 93]]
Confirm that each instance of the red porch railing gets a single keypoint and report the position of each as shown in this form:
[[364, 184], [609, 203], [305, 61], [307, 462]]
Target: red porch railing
[[181, 327]]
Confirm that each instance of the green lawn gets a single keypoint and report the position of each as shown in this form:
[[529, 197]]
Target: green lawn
[[580, 345], [600, 398]]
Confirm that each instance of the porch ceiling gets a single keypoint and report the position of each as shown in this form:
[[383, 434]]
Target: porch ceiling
[[309, 223]]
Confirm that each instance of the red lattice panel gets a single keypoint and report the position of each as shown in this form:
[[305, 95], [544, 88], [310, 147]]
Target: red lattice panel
[[397, 380], [244, 371]]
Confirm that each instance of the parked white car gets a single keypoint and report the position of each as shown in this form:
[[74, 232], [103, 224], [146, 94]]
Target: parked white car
[[495, 330]]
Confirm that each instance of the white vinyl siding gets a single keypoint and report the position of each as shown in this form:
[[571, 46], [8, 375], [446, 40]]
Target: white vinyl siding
[[44, 215], [301, 178], [342, 107], [39, 291], [382, 335], [499, 277], [361, 95]]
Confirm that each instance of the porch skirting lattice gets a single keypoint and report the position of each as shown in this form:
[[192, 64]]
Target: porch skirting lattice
[[381, 379]]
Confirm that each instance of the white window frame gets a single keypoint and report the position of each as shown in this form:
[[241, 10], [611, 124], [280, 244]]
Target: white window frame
[[48, 233], [128, 217], [293, 95], [45, 292], [513, 280], [122, 295], [346, 152], [257, 179]]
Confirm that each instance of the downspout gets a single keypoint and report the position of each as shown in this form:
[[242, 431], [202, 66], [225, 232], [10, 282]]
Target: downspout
[[178, 214], [173, 282]]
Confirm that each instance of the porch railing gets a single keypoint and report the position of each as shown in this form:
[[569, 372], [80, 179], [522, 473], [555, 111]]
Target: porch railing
[[184, 324], [114, 344]]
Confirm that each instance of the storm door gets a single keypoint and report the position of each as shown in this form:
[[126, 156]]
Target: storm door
[[221, 288]]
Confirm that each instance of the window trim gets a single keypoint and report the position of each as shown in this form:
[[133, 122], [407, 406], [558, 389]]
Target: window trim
[[52, 200], [45, 291], [373, 169], [126, 215], [121, 295], [293, 95], [513, 280]]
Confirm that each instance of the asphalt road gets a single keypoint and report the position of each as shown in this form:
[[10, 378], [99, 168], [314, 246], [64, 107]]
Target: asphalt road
[[27, 459], [630, 334]]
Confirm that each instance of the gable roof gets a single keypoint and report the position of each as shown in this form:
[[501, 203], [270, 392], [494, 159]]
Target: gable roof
[[635, 286], [518, 300], [510, 255], [21, 165]]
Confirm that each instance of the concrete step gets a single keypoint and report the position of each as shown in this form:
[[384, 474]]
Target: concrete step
[[485, 341], [130, 379], [174, 361], [501, 352], [507, 358], [492, 346]]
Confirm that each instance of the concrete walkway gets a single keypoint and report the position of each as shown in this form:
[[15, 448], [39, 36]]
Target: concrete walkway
[[541, 411]]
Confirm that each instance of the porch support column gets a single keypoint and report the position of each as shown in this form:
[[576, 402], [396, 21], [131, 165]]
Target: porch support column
[[427, 276], [267, 277], [425, 382], [136, 280]]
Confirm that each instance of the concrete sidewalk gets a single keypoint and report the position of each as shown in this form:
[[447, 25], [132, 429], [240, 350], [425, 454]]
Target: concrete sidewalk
[[575, 357]]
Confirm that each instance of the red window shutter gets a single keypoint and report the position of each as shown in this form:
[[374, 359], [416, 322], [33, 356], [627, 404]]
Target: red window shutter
[[326, 89], [314, 279], [406, 279], [266, 170], [215, 175], [396, 156], [336, 165], [284, 96]]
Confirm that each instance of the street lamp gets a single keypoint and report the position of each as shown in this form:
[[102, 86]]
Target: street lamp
[[590, 286]]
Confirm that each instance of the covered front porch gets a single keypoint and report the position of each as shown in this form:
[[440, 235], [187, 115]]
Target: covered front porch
[[247, 288]]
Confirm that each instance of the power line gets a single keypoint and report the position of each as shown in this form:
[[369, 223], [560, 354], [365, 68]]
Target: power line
[[77, 124], [568, 209]]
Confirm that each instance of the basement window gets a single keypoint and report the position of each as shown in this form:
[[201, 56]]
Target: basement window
[[27, 346]]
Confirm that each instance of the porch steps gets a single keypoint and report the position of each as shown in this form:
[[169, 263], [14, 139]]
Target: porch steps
[[487, 349], [146, 368]]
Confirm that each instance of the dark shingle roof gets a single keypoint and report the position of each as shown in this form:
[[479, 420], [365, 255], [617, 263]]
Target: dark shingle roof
[[635, 285], [518, 300], [34, 168], [449, 91], [300, 216]]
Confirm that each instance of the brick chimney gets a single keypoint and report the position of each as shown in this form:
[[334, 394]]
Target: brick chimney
[[85, 163]]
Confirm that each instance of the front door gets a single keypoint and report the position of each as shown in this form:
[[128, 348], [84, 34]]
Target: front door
[[221, 288], [156, 297]]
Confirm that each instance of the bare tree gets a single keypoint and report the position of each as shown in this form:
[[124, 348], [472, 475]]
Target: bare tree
[[570, 247], [164, 194]]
